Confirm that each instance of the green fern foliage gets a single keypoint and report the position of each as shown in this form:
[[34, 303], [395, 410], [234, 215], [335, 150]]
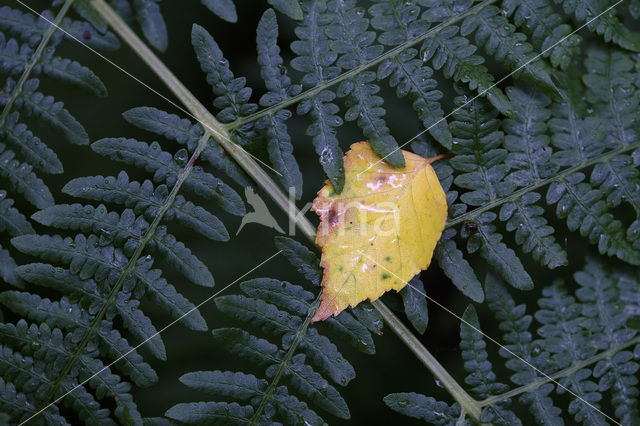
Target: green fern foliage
[[508, 161], [232, 97], [534, 104], [582, 347], [105, 271], [24, 156], [226, 9], [306, 361]]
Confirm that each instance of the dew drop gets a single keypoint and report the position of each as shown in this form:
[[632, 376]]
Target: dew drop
[[181, 156]]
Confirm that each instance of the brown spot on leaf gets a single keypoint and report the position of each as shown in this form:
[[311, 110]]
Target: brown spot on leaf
[[332, 215]]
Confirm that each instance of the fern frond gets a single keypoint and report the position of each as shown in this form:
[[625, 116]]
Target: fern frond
[[300, 376], [166, 169], [279, 309], [481, 376], [88, 259], [355, 329], [272, 320], [89, 297], [11, 220], [498, 37], [24, 55], [577, 351], [482, 163], [17, 406], [233, 97], [125, 230], [226, 9], [17, 368], [280, 88], [31, 29], [36, 104], [585, 209], [398, 23], [8, 269], [564, 340], [519, 343], [546, 29], [231, 94], [14, 58], [612, 93], [607, 320], [29, 146], [575, 137], [185, 133], [530, 161], [146, 200], [147, 13], [69, 316], [53, 347], [22, 179], [353, 45], [423, 408], [582, 346], [316, 60], [455, 55], [608, 25]]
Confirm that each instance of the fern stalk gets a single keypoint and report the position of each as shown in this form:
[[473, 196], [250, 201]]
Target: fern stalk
[[221, 133], [95, 323], [34, 59], [196, 110], [357, 70], [467, 403], [562, 373], [542, 182], [255, 419]]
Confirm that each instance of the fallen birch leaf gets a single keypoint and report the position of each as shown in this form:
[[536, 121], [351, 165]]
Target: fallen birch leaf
[[380, 231]]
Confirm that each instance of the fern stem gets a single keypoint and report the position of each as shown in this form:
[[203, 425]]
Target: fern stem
[[268, 393], [355, 71], [129, 267], [519, 193], [562, 373], [34, 59], [253, 169], [467, 403], [199, 112]]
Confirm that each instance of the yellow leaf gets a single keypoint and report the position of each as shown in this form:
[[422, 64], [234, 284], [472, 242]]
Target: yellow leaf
[[380, 231]]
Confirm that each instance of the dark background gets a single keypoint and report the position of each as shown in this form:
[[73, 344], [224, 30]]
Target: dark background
[[393, 368]]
